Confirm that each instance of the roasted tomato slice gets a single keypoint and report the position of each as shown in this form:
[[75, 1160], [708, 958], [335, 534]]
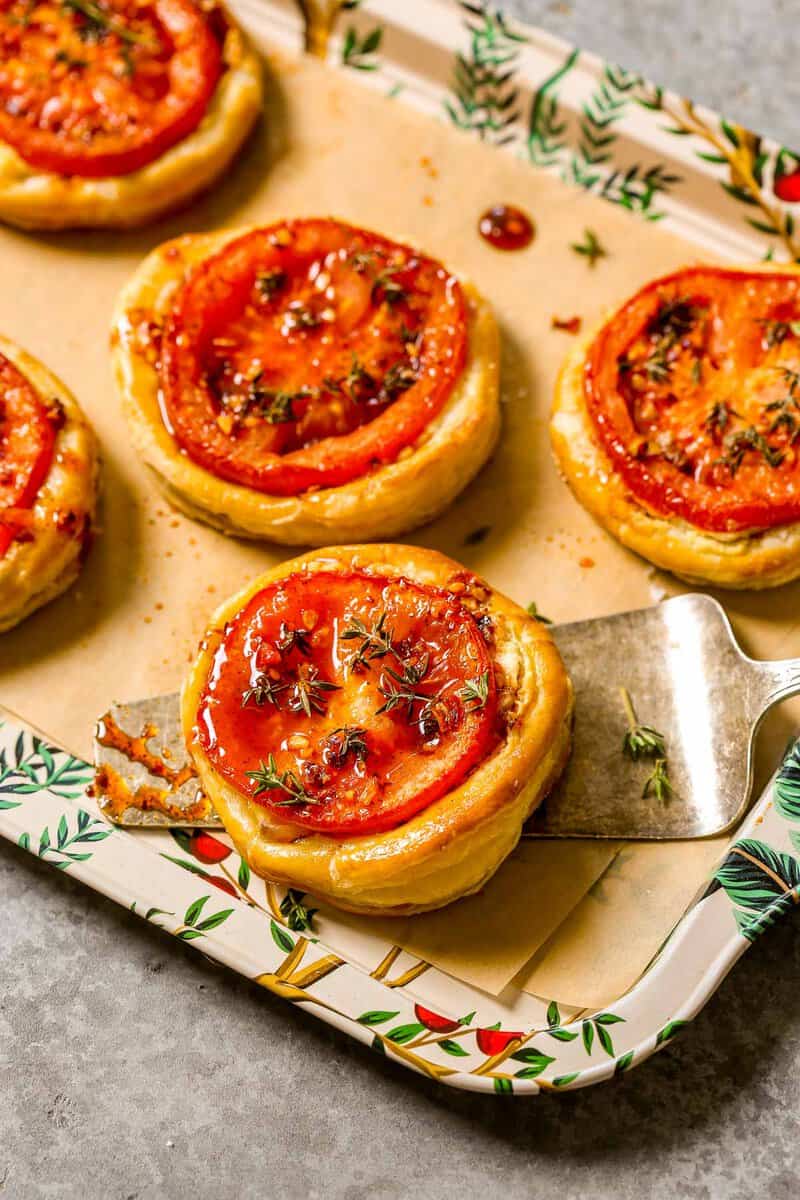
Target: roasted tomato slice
[[694, 389], [28, 427], [102, 87], [305, 354], [347, 702]]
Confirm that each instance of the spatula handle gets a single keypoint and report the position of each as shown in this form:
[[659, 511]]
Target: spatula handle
[[779, 680]]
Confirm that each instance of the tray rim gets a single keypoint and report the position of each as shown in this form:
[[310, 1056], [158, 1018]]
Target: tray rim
[[720, 925]]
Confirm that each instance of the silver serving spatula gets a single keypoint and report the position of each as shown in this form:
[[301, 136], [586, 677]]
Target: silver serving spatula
[[684, 674]]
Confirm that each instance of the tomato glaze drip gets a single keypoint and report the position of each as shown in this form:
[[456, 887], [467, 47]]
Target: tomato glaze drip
[[346, 702], [96, 88], [694, 390], [28, 427], [306, 354], [506, 227]]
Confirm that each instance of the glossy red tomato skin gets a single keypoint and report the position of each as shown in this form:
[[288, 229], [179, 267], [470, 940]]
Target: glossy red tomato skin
[[709, 497], [118, 127], [28, 429], [216, 304], [406, 766]]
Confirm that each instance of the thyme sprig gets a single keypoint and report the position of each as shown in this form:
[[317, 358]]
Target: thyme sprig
[[673, 321], [264, 690], [269, 283], [376, 641], [475, 693], [719, 418], [98, 23], [739, 442], [297, 914], [290, 638], [400, 689], [268, 778], [776, 332], [658, 783], [399, 378], [385, 282], [590, 248], [308, 692], [347, 739], [640, 741], [358, 380]]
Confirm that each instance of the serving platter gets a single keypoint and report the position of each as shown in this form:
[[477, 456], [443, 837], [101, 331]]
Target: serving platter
[[663, 163]]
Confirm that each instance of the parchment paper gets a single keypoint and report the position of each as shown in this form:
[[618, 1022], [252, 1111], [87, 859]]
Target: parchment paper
[[328, 145]]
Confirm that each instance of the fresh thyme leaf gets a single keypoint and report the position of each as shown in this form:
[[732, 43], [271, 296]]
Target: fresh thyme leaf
[[791, 378], [399, 378], [376, 640], [290, 638], [72, 64], [385, 282], [358, 381], [475, 692], [276, 407], [738, 443], [590, 248], [658, 784], [673, 321], [776, 332], [640, 741], [308, 693], [98, 23], [298, 915], [347, 739], [719, 418], [269, 779], [300, 316], [533, 611], [269, 283], [362, 260], [400, 689], [264, 690]]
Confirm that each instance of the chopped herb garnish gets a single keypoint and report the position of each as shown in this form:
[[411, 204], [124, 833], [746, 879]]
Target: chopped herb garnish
[[300, 316], [399, 378], [308, 692], [268, 779], [347, 739], [533, 611], [290, 638], [297, 914], [776, 332], [72, 64], [385, 282], [98, 23], [263, 691], [718, 419], [659, 782], [673, 321], [738, 443], [640, 741], [269, 283], [358, 381], [277, 408], [475, 692], [590, 248], [376, 640]]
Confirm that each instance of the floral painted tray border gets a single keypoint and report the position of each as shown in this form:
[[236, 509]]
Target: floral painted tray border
[[600, 127], [42, 810]]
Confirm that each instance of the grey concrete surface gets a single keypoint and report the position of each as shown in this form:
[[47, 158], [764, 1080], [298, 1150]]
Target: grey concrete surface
[[133, 1069]]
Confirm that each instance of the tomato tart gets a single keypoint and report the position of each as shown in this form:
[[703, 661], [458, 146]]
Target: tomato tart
[[308, 382], [115, 111], [677, 424], [374, 724], [48, 485]]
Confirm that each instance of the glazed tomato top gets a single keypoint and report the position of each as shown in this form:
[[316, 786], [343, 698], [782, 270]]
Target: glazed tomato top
[[694, 389], [305, 354], [28, 426], [102, 87], [346, 702]]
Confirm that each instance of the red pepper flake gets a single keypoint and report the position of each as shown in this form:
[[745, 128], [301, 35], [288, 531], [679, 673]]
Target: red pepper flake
[[586, 562], [566, 324]]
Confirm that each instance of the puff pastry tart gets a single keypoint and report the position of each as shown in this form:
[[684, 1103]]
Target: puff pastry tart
[[113, 111], [677, 424], [309, 382], [48, 484], [374, 724]]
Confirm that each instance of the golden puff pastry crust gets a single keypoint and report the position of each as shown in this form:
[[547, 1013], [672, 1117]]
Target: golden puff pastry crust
[[738, 559], [36, 199], [453, 846], [43, 564], [391, 499]]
